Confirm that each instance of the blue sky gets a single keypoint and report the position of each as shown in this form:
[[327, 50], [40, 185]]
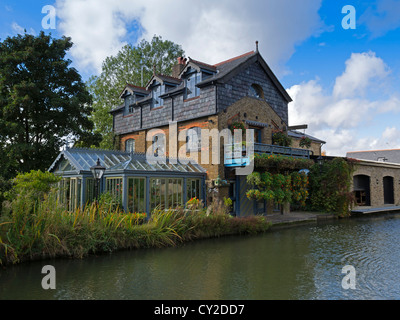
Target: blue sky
[[344, 83]]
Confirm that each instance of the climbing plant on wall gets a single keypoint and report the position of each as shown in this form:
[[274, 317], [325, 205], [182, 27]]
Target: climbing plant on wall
[[291, 188], [330, 186]]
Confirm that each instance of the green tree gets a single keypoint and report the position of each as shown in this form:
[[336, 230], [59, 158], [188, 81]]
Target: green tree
[[43, 102], [133, 64]]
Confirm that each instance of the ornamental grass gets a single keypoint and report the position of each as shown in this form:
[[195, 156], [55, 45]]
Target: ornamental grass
[[46, 229]]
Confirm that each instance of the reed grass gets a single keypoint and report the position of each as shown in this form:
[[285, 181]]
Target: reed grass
[[51, 231]]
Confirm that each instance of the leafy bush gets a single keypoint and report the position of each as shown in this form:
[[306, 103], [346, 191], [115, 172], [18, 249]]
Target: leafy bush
[[330, 186], [29, 189], [280, 164]]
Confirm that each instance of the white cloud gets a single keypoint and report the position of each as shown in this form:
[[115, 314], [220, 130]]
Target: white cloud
[[338, 116], [382, 17], [362, 71], [17, 28], [208, 30], [20, 30]]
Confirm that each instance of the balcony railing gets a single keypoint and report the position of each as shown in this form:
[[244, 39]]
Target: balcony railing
[[236, 155], [286, 151]]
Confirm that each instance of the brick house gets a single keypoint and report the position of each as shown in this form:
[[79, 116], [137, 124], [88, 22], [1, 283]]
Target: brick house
[[200, 96]]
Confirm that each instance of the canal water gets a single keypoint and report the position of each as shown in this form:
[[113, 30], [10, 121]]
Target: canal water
[[305, 262]]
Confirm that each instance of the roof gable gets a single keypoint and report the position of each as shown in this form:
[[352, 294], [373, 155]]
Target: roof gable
[[229, 68]]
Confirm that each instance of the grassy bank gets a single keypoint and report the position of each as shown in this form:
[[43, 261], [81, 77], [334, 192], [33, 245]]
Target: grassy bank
[[50, 231]]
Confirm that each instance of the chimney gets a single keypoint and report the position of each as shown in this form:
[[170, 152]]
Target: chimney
[[177, 68]]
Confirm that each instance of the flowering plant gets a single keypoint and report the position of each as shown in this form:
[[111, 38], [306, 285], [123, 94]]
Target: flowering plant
[[281, 139], [238, 125], [193, 204], [305, 142]]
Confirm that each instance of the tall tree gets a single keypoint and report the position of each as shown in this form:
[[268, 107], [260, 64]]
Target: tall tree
[[132, 64], [43, 101]]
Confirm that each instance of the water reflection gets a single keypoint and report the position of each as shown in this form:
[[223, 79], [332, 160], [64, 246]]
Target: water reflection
[[298, 263]]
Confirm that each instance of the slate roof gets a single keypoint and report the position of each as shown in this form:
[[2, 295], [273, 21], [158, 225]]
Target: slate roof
[[225, 70], [229, 68], [389, 155], [298, 135]]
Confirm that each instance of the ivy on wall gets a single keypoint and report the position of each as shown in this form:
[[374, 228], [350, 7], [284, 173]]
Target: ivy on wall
[[330, 186]]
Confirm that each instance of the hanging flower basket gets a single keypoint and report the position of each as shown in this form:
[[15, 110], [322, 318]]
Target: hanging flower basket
[[305, 142], [281, 139], [238, 125]]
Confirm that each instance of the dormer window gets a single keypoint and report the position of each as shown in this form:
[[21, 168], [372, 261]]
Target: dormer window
[[157, 92], [129, 101], [191, 89]]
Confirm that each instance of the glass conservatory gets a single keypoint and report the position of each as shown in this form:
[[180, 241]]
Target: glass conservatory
[[138, 183]]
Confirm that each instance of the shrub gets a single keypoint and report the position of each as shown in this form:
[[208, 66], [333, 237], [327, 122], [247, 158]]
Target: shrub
[[29, 189], [330, 187]]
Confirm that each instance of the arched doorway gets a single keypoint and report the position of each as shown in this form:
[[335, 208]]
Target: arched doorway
[[362, 190], [388, 190]]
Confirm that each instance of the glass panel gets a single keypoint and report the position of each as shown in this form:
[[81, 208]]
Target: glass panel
[[136, 195], [163, 194], [89, 192], [193, 189], [114, 187]]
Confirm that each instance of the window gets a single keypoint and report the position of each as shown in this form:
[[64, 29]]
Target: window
[[165, 193], [193, 189], [114, 187], [157, 92], [256, 91], [130, 145], [191, 89], [137, 195], [89, 192], [159, 145], [175, 197], [69, 193], [129, 102], [193, 139]]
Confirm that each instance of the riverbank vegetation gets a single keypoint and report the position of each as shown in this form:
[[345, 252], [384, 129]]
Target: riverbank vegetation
[[39, 227]]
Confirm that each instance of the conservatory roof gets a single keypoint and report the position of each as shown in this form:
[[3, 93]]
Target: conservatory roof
[[81, 160]]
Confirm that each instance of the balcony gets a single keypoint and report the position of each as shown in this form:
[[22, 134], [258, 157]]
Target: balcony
[[235, 154]]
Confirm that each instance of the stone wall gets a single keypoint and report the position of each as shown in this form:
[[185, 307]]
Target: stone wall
[[377, 171], [315, 146]]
